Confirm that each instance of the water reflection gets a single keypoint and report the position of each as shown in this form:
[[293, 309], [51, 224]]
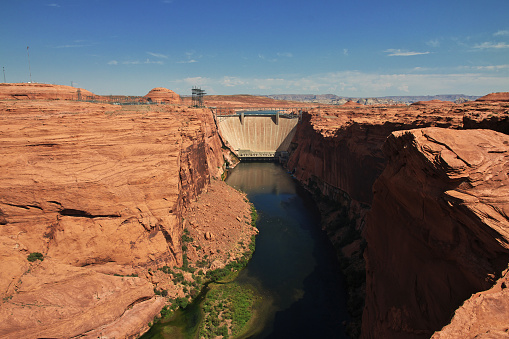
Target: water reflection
[[258, 177], [294, 265]]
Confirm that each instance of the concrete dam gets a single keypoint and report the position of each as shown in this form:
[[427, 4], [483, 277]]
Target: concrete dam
[[258, 134]]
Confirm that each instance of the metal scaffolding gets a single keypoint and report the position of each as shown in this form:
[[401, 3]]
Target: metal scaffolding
[[198, 94]]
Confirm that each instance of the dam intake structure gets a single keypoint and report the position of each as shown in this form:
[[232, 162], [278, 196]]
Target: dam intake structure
[[257, 133]]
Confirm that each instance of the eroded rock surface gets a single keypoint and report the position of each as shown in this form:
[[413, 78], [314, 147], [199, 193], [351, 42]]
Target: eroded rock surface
[[438, 229], [33, 91], [101, 191], [163, 95]]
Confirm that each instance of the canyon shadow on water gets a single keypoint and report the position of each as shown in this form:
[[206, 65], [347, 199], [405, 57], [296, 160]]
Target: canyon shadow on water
[[294, 266]]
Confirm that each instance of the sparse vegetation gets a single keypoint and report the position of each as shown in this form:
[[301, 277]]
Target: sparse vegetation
[[34, 256], [227, 310]]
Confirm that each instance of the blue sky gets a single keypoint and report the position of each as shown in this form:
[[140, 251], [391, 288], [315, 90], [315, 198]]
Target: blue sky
[[358, 48]]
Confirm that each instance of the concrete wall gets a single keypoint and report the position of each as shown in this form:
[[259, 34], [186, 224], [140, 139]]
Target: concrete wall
[[258, 133]]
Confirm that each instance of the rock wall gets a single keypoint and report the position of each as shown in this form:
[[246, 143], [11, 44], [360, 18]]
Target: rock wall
[[340, 148], [100, 191], [337, 153], [438, 229]]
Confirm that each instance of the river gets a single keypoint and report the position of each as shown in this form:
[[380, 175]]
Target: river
[[294, 267], [294, 263]]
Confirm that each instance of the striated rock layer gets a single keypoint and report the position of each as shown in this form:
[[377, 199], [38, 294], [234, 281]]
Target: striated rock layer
[[337, 153], [438, 229], [101, 191], [163, 95]]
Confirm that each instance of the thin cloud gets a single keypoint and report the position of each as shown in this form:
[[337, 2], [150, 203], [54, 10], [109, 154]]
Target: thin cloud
[[486, 68], [190, 59], [501, 32], [345, 51], [157, 62], [491, 45], [399, 52], [262, 57], [53, 5], [232, 81], [286, 55], [135, 62], [433, 43], [158, 55], [72, 46], [476, 81]]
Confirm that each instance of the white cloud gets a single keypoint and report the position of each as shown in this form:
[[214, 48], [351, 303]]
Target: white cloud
[[485, 68], [53, 5], [345, 51], [232, 81], [399, 52], [489, 45], [359, 84], [113, 62], [501, 32], [187, 61], [158, 55], [285, 54], [158, 62]]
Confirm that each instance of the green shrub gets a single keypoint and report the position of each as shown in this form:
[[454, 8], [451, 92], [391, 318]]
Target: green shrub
[[35, 256]]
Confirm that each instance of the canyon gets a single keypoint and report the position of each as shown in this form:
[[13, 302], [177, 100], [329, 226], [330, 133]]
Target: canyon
[[430, 200], [413, 197]]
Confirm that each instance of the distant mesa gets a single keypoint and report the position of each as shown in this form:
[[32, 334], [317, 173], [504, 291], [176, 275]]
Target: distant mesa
[[500, 96], [432, 102], [163, 95], [351, 104]]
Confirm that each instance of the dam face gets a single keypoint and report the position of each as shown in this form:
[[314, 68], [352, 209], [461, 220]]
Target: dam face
[[258, 134]]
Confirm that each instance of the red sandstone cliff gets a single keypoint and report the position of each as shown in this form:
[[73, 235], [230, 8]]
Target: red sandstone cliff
[[101, 191], [438, 229], [338, 152]]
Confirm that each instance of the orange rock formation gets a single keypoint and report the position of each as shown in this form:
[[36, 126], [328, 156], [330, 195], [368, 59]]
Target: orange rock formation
[[102, 191], [438, 229], [163, 95], [40, 91], [338, 152]]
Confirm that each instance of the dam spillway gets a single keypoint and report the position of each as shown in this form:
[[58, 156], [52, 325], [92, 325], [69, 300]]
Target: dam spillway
[[261, 134]]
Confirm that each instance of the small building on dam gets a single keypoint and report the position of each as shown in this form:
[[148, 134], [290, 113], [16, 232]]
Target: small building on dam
[[258, 134]]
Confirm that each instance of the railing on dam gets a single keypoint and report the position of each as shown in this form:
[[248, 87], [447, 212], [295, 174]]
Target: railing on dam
[[260, 111]]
